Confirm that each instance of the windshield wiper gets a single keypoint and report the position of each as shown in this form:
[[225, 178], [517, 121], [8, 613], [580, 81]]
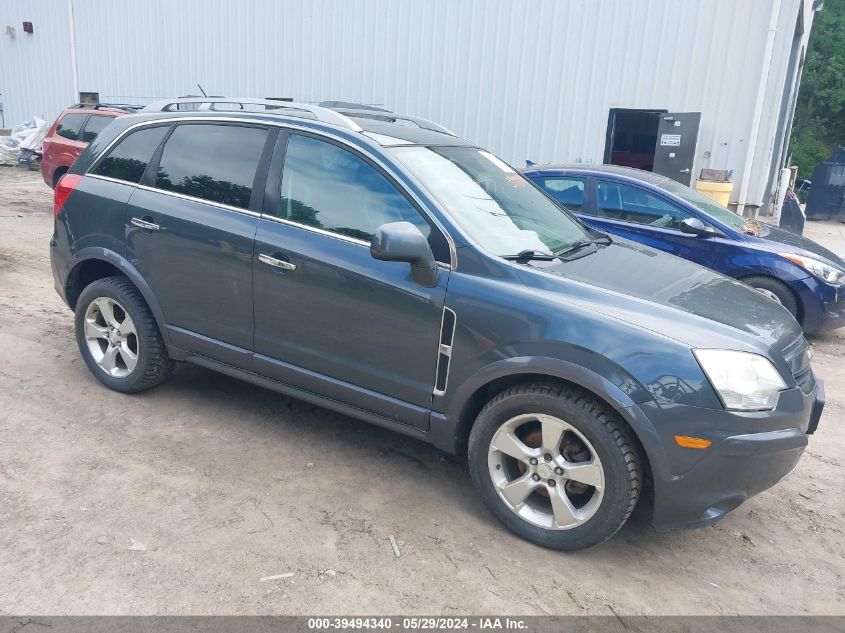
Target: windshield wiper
[[574, 248], [526, 256], [530, 255]]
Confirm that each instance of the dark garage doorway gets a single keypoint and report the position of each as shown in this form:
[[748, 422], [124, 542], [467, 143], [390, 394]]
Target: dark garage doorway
[[632, 137]]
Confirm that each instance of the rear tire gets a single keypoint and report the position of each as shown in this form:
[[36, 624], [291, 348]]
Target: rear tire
[[57, 175], [579, 462], [775, 290], [119, 338]]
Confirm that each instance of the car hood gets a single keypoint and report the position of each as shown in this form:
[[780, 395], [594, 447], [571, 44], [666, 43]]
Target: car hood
[[669, 295], [783, 241]]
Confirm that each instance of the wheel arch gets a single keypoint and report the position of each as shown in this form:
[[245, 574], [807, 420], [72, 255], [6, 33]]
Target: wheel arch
[[58, 172], [92, 264], [507, 373]]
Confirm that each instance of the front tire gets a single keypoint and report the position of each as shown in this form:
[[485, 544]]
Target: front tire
[[774, 290], [119, 338], [555, 465]]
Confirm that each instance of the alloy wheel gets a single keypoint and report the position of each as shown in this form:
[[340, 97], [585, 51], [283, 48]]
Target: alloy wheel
[[111, 337], [546, 471]]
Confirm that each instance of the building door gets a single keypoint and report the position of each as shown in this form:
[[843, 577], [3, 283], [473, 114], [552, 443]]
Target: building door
[[631, 137], [674, 153]]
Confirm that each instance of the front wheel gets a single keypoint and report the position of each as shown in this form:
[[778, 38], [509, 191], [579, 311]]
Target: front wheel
[[774, 290], [555, 465], [118, 336]]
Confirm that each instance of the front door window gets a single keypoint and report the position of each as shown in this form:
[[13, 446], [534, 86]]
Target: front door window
[[330, 188], [618, 201]]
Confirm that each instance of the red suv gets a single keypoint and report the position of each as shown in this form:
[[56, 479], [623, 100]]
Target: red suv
[[76, 126]]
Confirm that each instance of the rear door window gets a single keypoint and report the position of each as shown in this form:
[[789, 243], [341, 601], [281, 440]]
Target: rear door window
[[70, 125], [619, 201], [567, 191], [213, 162], [94, 126], [129, 158]]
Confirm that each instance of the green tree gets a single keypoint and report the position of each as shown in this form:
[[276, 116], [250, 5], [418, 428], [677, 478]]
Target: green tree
[[820, 118]]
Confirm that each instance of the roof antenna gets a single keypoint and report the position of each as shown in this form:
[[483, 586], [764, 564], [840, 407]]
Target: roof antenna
[[202, 91]]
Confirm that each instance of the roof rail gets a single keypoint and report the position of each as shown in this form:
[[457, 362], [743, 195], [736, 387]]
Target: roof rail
[[392, 117], [348, 105], [117, 106], [288, 108]]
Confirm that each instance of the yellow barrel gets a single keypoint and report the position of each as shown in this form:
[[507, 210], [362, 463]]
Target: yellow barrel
[[718, 191]]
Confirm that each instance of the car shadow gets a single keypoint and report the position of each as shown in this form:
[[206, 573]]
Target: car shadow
[[292, 421]]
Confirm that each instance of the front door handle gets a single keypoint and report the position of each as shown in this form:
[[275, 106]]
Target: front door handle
[[143, 224], [685, 171], [276, 263]]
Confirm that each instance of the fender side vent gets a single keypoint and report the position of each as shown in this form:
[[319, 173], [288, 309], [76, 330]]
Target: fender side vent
[[444, 354]]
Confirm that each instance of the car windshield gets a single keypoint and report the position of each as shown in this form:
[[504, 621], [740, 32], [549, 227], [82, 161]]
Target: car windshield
[[710, 207], [498, 207]]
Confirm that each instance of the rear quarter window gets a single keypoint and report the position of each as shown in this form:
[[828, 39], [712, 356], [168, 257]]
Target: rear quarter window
[[95, 125], [70, 125], [129, 158]]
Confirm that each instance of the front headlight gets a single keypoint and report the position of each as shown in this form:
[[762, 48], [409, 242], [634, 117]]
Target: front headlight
[[825, 272], [744, 381]]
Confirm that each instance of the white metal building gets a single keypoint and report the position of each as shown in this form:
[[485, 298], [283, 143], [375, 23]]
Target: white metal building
[[546, 80]]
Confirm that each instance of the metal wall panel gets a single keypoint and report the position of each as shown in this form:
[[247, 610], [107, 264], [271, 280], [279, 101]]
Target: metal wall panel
[[527, 80], [35, 70]]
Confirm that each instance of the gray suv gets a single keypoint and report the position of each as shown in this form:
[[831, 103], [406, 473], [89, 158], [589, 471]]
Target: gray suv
[[380, 266]]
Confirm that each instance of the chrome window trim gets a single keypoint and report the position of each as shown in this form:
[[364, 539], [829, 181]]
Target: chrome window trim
[[337, 236], [177, 195], [453, 253], [314, 229], [110, 179]]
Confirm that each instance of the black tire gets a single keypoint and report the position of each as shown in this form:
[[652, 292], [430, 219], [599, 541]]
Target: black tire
[[57, 175], [611, 439], [777, 288], [153, 364]]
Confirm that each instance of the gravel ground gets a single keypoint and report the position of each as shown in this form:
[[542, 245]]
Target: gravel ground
[[183, 500]]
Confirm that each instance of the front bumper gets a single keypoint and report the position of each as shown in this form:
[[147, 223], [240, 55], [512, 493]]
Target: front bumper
[[823, 304], [734, 469], [834, 316]]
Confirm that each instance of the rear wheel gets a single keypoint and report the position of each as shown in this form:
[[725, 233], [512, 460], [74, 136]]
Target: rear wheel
[[775, 290], [555, 465], [57, 175], [118, 336]]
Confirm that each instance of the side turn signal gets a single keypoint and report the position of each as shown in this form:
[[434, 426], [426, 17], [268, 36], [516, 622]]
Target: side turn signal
[[691, 442]]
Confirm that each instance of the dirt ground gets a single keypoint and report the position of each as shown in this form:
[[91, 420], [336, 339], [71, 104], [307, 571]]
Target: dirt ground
[[184, 499]]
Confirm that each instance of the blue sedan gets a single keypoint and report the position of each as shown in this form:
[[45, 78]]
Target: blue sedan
[[804, 277]]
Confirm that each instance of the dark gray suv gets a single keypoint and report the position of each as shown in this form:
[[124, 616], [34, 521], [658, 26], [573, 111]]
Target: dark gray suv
[[380, 266]]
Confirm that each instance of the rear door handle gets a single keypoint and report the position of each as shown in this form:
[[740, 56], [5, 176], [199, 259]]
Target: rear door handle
[[143, 224], [276, 263]]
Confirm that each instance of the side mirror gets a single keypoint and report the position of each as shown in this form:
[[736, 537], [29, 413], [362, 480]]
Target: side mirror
[[403, 242], [694, 226]]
